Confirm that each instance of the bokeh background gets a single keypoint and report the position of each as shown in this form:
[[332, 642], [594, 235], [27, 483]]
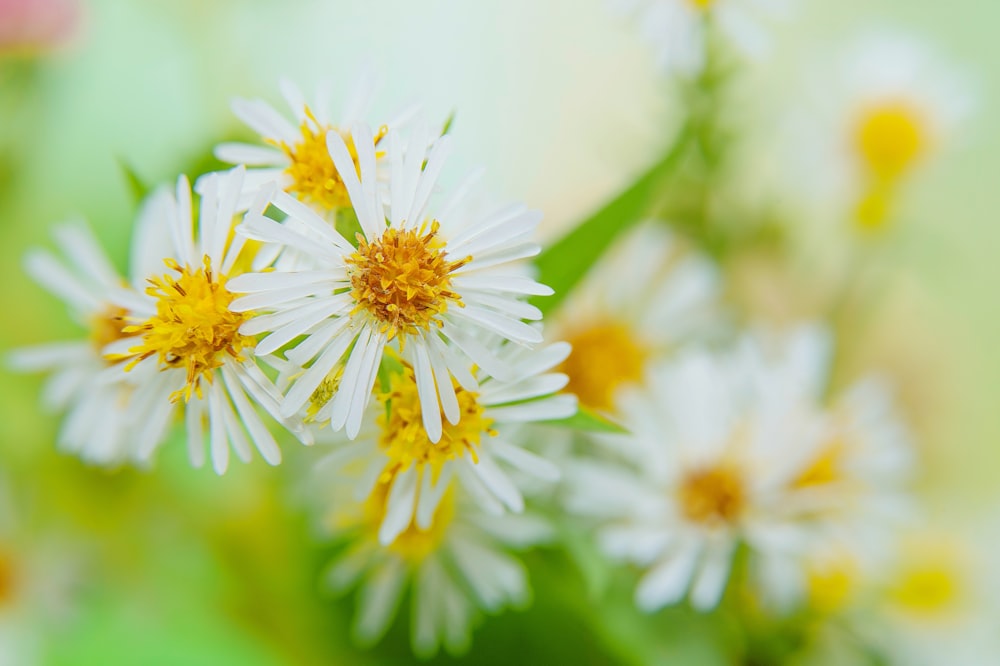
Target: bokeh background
[[562, 103]]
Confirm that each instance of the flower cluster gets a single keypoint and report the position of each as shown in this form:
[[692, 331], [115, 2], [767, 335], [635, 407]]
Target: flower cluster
[[334, 286]]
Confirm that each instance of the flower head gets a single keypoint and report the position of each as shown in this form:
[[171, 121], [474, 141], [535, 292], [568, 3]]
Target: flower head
[[431, 284]]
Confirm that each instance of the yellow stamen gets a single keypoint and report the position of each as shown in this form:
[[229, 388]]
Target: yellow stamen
[[713, 495], [605, 357], [403, 279], [890, 137], [703, 5], [314, 176], [193, 327], [404, 439]]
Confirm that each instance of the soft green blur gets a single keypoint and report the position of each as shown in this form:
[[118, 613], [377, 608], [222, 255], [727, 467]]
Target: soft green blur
[[561, 104]]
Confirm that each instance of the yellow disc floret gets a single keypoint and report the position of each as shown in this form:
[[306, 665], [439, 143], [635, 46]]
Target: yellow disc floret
[[712, 495], [703, 5], [605, 357], [314, 176], [404, 439], [890, 138], [403, 279], [108, 326], [193, 327]]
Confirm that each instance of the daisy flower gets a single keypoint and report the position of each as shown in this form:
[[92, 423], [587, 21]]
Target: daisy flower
[[185, 350], [679, 30], [709, 457], [456, 568], [883, 111], [617, 333], [99, 425], [295, 155], [429, 283], [402, 462]]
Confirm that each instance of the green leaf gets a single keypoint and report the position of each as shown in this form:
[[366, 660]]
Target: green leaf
[[564, 262], [347, 224], [136, 187], [587, 421]]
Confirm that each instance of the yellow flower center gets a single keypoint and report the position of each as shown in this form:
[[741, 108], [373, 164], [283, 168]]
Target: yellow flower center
[[315, 178], [413, 544], [324, 392], [703, 5], [825, 468], [712, 495], [404, 439], [193, 327], [928, 581], [605, 357], [832, 584], [109, 326], [890, 138], [403, 279]]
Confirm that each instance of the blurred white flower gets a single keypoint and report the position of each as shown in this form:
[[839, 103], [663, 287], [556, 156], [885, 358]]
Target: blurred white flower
[[711, 455], [456, 567], [296, 156], [401, 461], [99, 425], [185, 347], [642, 300], [873, 118], [679, 30], [428, 282]]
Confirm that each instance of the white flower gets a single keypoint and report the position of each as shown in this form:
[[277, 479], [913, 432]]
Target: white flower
[[401, 462], [711, 453], [295, 156], [455, 568], [187, 352], [99, 425], [669, 297], [933, 597], [883, 110], [428, 282], [678, 30]]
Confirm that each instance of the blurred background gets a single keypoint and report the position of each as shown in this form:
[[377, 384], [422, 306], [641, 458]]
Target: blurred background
[[563, 104]]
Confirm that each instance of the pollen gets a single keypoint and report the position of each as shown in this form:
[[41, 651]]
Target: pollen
[[605, 357], [890, 138], [193, 327], [314, 176], [703, 5], [404, 440], [403, 279], [713, 495]]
